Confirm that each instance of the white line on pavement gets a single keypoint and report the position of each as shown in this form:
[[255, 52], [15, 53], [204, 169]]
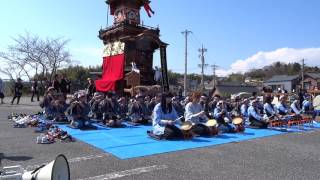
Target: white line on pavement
[[130, 172], [73, 160], [85, 158]]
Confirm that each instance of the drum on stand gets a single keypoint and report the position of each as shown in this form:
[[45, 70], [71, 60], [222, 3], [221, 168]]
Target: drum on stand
[[186, 130], [238, 123], [212, 124]]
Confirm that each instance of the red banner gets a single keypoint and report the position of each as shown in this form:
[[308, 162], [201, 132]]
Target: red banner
[[113, 67]]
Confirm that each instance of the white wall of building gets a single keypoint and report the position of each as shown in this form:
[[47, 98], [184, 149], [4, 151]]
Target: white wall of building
[[287, 85]]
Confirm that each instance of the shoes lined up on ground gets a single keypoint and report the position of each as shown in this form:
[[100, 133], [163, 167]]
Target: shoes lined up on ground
[[51, 132], [54, 132]]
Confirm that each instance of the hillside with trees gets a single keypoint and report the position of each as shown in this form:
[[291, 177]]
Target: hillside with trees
[[279, 68]]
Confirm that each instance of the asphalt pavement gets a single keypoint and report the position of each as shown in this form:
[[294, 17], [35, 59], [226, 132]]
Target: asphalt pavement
[[292, 156]]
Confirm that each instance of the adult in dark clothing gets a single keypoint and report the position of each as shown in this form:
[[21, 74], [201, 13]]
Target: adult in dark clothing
[[301, 97], [1, 91], [17, 91], [68, 85], [64, 85], [91, 89], [35, 90], [180, 90], [178, 106], [56, 83], [47, 84], [213, 103]]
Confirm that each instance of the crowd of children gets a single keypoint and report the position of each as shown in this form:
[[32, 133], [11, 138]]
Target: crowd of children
[[111, 110]]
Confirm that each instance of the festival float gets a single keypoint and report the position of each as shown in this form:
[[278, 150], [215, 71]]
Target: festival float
[[128, 50]]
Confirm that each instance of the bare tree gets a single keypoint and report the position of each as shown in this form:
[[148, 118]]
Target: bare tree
[[10, 70], [31, 55], [56, 55]]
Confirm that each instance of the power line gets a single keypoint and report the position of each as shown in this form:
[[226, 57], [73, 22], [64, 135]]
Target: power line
[[198, 41]]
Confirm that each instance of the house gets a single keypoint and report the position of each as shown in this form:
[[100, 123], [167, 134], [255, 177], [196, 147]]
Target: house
[[253, 82], [193, 85], [288, 83], [227, 89], [311, 81]]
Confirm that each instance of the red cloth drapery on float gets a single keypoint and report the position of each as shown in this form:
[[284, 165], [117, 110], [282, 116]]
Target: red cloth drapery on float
[[112, 71]]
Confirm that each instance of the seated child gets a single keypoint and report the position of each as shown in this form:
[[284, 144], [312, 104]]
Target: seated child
[[139, 112], [96, 112], [79, 112], [123, 108], [111, 111], [60, 106], [47, 103]]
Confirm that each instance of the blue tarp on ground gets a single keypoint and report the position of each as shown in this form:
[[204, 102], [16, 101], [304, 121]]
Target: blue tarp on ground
[[133, 141]]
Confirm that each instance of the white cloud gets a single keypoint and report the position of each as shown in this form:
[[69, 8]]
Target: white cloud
[[261, 59]]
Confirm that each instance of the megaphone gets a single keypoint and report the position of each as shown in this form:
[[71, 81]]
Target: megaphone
[[57, 169]]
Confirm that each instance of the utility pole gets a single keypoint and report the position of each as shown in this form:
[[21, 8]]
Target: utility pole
[[203, 65], [302, 74], [185, 33], [214, 68]]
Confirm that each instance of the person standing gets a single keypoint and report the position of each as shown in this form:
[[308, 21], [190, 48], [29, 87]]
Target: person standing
[[64, 84], [1, 91], [17, 91], [180, 91], [35, 90], [68, 82], [56, 83], [157, 75], [47, 84], [91, 89]]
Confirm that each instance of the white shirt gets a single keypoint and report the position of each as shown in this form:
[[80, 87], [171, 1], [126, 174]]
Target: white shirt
[[269, 109], [191, 110], [159, 116], [295, 108]]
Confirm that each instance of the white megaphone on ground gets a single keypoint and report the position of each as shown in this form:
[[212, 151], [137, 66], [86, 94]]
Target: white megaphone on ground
[[57, 169]]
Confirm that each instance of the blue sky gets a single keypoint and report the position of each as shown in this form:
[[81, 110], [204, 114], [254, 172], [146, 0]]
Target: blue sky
[[239, 34]]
